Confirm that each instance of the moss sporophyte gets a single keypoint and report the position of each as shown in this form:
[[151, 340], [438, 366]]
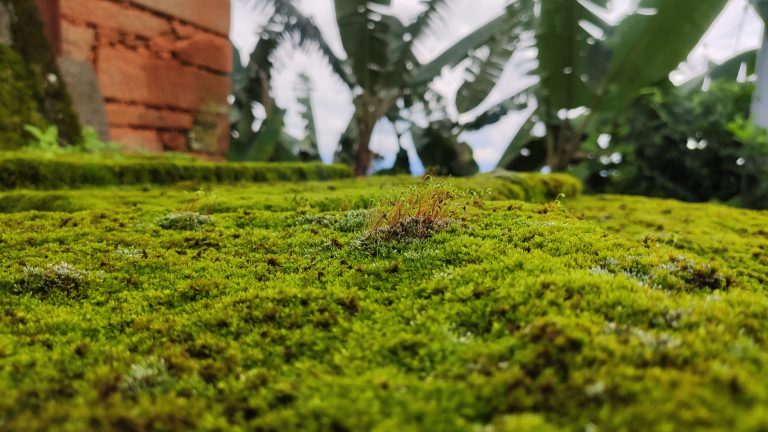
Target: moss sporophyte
[[383, 303]]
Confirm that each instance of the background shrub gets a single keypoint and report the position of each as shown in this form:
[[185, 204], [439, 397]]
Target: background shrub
[[676, 145]]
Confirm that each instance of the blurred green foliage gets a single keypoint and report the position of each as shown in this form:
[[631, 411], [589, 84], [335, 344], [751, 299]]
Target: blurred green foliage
[[688, 146], [42, 77], [20, 93]]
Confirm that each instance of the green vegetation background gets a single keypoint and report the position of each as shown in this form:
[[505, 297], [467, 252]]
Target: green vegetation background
[[32, 90]]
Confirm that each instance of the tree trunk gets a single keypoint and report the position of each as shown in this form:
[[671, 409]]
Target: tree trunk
[[760, 99], [368, 110], [563, 143], [363, 154]]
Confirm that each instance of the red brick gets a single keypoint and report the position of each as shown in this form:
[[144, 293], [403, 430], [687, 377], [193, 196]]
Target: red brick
[[137, 140], [108, 36], [163, 45], [141, 116], [77, 41], [49, 13], [210, 14], [129, 76], [174, 141], [223, 136], [119, 16], [184, 31], [207, 50]]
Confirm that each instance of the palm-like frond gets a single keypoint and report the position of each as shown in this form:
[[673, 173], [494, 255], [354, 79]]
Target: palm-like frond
[[637, 61], [454, 55], [761, 6], [569, 36], [487, 65], [728, 69], [373, 41], [434, 12], [287, 24], [492, 115], [308, 149]]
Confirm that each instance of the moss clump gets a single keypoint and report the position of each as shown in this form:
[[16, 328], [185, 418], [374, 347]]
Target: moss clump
[[50, 92], [13, 202], [147, 376], [404, 230], [20, 93], [187, 221], [421, 212], [52, 279]]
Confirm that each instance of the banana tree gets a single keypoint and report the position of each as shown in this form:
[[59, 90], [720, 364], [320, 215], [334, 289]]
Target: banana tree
[[588, 66], [380, 65], [308, 149], [729, 69], [252, 85], [270, 142], [760, 103]]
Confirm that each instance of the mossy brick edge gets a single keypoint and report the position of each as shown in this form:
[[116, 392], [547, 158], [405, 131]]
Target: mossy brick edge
[[31, 172]]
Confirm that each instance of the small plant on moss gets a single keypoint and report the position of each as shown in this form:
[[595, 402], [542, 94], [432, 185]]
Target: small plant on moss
[[419, 213], [52, 279], [45, 140], [149, 375], [554, 205], [354, 220], [186, 221], [93, 144]]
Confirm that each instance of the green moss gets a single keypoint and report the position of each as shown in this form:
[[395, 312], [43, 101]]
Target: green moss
[[20, 94], [26, 201], [30, 42], [186, 221], [522, 316], [724, 236], [30, 170]]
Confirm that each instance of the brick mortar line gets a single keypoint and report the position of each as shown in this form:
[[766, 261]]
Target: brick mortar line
[[201, 68], [174, 109], [80, 22], [146, 43], [142, 128], [166, 16]]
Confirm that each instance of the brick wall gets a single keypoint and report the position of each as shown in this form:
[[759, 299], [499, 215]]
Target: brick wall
[[162, 68]]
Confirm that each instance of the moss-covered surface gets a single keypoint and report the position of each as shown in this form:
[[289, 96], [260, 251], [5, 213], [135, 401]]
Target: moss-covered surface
[[718, 233], [20, 94], [253, 308], [53, 100], [38, 171]]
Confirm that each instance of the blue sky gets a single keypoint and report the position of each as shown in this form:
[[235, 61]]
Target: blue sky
[[738, 28]]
